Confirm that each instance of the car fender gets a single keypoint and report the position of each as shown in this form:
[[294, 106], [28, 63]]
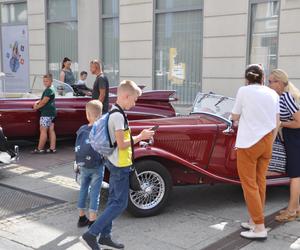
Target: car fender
[[142, 152]]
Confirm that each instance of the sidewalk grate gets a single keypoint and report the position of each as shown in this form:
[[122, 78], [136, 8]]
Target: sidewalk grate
[[15, 201]]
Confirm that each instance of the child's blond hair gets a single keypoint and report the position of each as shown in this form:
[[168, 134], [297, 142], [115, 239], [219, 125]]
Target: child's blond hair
[[94, 108], [130, 87]]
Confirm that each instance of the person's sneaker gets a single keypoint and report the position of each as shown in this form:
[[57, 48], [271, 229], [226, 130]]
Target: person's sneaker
[[251, 235], [89, 241], [247, 226], [109, 243], [38, 151], [83, 221], [51, 151], [90, 223]]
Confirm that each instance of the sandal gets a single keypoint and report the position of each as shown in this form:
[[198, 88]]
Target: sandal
[[286, 216], [285, 210], [38, 151], [51, 151]]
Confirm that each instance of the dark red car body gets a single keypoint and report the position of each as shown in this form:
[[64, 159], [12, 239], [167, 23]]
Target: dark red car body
[[195, 150], [19, 120], [187, 150]]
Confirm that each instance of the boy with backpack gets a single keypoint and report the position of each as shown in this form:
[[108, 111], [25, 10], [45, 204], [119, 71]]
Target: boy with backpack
[[112, 129], [91, 166]]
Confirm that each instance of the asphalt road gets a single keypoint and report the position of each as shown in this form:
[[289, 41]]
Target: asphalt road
[[196, 217]]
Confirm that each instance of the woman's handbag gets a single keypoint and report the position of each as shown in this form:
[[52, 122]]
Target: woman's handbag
[[134, 182], [278, 160]]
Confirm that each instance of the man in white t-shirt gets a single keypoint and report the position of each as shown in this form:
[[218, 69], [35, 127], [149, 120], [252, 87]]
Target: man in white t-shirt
[[257, 110]]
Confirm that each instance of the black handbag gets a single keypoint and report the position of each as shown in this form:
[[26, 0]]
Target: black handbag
[[134, 182]]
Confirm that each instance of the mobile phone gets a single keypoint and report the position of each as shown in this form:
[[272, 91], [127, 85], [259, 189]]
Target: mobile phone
[[154, 128]]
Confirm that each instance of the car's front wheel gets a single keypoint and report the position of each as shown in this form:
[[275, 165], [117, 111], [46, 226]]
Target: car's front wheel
[[156, 185]]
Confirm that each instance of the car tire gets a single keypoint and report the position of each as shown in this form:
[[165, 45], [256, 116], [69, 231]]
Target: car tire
[[150, 202]]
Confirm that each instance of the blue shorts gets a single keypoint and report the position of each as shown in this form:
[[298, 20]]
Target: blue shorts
[[46, 121]]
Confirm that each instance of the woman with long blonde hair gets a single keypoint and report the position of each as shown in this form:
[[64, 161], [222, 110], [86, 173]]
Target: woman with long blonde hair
[[290, 122]]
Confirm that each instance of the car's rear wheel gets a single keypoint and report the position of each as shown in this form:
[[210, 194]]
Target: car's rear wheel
[[156, 185]]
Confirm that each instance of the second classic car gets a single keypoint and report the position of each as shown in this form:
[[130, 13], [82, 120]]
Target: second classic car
[[187, 150], [19, 120]]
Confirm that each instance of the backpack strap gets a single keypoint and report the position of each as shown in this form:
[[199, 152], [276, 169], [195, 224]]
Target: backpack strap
[[118, 110], [131, 138]]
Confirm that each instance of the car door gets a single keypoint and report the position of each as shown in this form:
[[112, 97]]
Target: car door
[[223, 159], [18, 119], [70, 115]]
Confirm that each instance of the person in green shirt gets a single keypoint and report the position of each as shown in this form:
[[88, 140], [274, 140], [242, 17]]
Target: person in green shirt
[[46, 106]]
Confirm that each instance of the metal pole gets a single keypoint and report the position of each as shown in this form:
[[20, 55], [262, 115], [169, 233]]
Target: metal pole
[[2, 79]]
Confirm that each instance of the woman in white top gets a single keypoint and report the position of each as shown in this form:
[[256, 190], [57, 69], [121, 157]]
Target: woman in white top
[[290, 122], [257, 110]]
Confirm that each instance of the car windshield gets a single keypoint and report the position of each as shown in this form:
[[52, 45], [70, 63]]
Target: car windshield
[[62, 89], [213, 104]]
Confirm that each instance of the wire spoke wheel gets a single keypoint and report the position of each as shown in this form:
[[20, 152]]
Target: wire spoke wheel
[[152, 193]]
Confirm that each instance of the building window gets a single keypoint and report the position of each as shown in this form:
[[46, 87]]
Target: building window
[[263, 47], [110, 40], [14, 13], [178, 47], [62, 35]]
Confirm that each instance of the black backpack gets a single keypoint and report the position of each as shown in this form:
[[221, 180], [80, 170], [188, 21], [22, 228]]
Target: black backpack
[[86, 156]]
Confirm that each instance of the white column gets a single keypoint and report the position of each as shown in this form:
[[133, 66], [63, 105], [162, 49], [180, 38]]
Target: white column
[[37, 41], [224, 45], [289, 40], [88, 35], [136, 31]]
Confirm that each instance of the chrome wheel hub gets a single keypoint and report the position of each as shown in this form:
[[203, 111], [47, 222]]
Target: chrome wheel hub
[[152, 193]]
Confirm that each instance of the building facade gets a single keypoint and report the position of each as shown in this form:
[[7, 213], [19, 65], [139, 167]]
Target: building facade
[[190, 46]]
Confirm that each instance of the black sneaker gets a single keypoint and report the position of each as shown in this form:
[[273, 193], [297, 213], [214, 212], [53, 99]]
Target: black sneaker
[[89, 241], [108, 242], [83, 221], [90, 223]]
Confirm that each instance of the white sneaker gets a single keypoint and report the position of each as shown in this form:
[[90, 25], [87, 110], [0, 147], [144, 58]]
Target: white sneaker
[[251, 235], [247, 226]]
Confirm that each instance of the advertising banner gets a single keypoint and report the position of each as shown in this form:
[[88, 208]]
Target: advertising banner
[[15, 58]]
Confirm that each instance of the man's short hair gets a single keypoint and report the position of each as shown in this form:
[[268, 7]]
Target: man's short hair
[[48, 76], [94, 107], [129, 87], [83, 73]]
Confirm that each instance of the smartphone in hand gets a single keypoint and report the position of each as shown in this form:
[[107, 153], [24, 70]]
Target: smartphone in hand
[[154, 128]]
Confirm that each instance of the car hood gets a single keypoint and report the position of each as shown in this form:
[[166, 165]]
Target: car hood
[[194, 119]]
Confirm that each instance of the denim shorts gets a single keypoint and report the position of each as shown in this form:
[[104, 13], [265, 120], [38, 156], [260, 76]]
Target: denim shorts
[[91, 180], [46, 121]]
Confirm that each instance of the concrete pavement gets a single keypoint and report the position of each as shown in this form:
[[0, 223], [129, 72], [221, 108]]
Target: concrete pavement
[[195, 218]]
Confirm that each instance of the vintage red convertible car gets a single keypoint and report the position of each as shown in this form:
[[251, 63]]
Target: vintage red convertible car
[[187, 150], [19, 120]]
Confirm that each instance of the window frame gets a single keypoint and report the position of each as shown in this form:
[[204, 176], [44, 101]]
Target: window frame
[[58, 20], [13, 2], [156, 12], [102, 18], [250, 28]]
